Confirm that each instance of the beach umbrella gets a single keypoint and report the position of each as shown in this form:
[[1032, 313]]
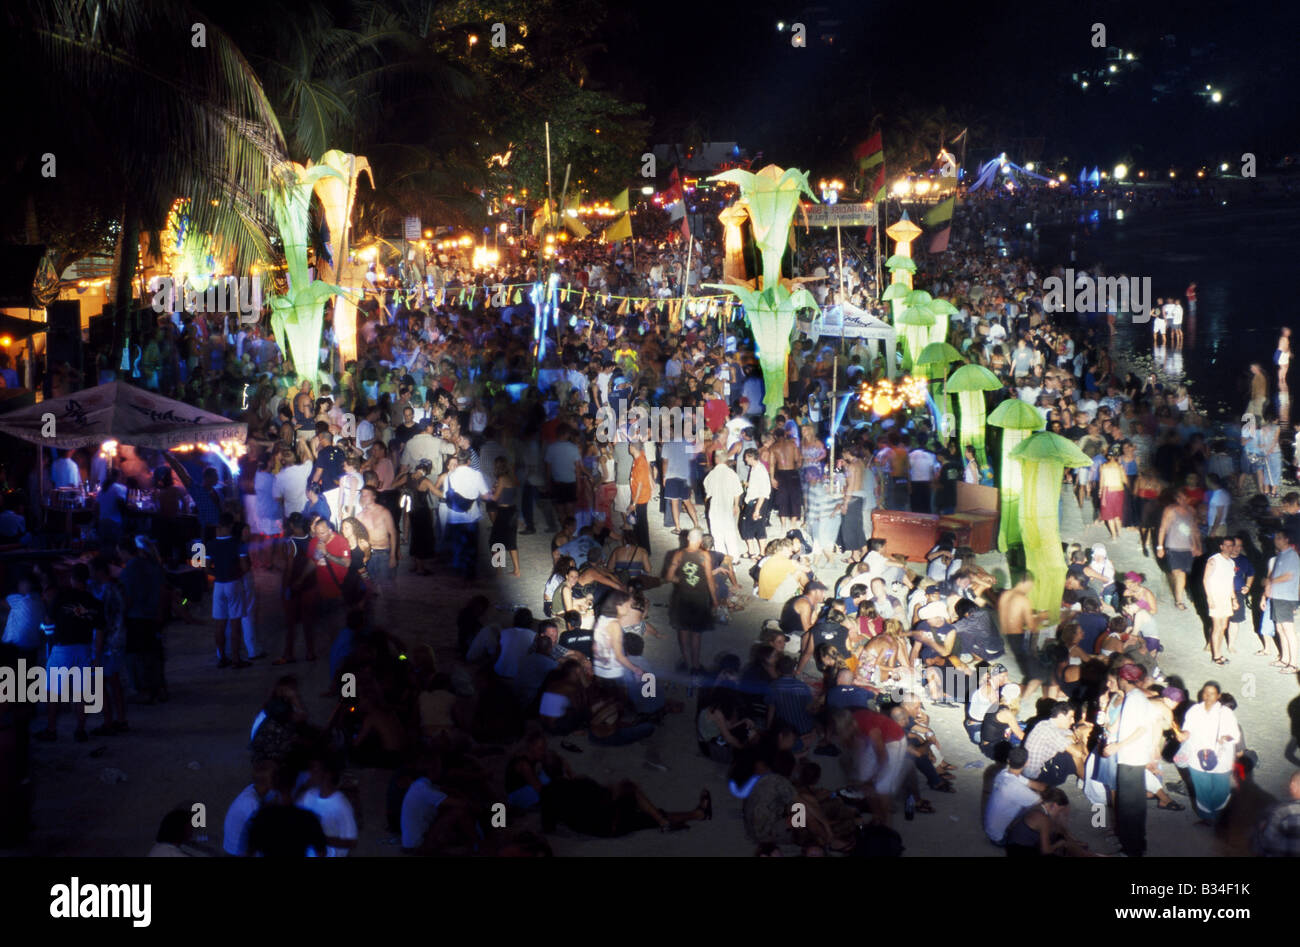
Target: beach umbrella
[[969, 383], [1017, 419], [1043, 457]]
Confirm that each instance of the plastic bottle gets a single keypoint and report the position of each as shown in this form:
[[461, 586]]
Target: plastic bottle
[[909, 808]]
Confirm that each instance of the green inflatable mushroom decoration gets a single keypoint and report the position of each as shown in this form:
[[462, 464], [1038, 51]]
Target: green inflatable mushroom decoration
[[914, 325], [969, 383], [933, 364], [1043, 457], [1017, 419], [941, 309], [900, 262]]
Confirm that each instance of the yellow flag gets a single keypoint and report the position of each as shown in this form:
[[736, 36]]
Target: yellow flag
[[576, 227], [519, 296], [583, 301], [544, 215], [620, 229], [620, 203], [622, 307]]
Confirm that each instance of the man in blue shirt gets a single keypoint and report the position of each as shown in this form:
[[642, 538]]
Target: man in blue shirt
[[328, 468]]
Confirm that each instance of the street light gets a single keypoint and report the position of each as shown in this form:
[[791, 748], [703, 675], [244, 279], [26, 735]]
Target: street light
[[1121, 172], [1216, 96]]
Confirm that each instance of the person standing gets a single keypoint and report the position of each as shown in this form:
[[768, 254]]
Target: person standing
[[694, 599], [1112, 485], [1258, 390], [228, 555], [1220, 595], [464, 487], [758, 502], [1178, 528], [1282, 588], [1209, 752], [723, 490], [640, 490], [75, 617], [505, 520], [1132, 746], [923, 469], [1282, 358], [563, 462]]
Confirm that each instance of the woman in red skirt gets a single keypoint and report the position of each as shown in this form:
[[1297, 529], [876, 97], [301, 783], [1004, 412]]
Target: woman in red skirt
[[1111, 483]]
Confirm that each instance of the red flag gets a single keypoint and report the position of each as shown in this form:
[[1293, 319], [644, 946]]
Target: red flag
[[686, 230], [865, 153], [939, 242], [674, 192]]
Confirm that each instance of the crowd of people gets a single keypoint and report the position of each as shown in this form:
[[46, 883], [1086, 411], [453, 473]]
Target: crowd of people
[[442, 446]]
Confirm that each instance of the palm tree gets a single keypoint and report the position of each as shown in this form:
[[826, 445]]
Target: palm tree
[[152, 102]]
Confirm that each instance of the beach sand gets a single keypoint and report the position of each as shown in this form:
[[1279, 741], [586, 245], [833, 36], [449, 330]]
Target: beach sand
[[194, 748]]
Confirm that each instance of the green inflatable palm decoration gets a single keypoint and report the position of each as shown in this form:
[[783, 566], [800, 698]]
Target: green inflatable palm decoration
[[969, 383], [1017, 419], [771, 197], [296, 316], [1043, 457]]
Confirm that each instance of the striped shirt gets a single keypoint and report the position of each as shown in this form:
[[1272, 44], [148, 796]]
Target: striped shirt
[[791, 698]]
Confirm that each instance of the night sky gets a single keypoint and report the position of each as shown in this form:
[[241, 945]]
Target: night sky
[[1004, 68]]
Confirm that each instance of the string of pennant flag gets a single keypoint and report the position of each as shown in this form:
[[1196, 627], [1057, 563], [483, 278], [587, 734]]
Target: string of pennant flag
[[517, 293]]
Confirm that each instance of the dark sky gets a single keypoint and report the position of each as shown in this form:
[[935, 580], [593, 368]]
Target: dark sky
[[1004, 67]]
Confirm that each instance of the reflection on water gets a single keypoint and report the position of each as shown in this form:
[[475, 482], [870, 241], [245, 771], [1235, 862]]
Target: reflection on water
[[1240, 259]]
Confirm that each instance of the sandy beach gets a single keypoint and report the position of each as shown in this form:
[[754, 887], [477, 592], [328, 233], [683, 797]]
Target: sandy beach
[[194, 748]]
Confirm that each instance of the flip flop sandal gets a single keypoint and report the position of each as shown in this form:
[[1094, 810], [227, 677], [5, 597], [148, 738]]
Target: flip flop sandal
[[923, 805], [1172, 806], [571, 747]]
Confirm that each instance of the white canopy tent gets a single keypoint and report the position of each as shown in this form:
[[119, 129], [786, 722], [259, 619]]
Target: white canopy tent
[[118, 412], [846, 321]]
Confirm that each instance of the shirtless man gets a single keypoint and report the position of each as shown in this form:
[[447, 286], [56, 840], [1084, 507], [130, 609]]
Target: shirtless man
[[378, 522], [853, 531], [1017, 618], [787, 495]]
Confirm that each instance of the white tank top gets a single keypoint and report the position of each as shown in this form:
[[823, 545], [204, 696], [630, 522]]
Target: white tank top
[[603, 661]]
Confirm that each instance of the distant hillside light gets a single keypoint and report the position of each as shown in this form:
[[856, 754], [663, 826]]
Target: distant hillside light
[[1224, 166], [1128, 57], [1083, 84], [1121, 172], [1114, 68], [780, 25], [1216, 97]]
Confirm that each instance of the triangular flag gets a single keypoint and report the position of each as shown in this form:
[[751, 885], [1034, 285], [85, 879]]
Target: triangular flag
[[519, 296], [576, 227], [940, 214], [622, 307], [620, 229], [620, 203]]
